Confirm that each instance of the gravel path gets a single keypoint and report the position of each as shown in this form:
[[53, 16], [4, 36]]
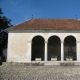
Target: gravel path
[[39, 72]]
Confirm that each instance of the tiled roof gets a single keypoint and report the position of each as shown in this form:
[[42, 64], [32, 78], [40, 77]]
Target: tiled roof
[[50, 24]]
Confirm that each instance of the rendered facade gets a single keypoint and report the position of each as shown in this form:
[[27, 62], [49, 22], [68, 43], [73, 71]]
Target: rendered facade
[[44, 40]]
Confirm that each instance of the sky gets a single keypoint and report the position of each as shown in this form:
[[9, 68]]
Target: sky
[[22, 10]]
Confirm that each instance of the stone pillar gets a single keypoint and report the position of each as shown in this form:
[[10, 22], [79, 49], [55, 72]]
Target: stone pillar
[[46, 51], [62, 51]]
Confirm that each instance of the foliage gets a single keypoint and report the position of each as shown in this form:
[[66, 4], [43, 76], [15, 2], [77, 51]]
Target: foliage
[[4, 23]]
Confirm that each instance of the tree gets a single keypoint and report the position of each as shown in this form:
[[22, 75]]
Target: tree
[[4, 23]]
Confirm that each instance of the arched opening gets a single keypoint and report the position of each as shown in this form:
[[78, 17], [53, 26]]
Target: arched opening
[[54, 48], [70, 48], [37, 48]]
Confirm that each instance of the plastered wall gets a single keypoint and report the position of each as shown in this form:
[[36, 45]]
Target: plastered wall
[[19, 42]]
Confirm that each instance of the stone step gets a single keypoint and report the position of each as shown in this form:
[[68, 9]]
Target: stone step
[[67, 64], [25, 64], [64, 63], [47, 63]]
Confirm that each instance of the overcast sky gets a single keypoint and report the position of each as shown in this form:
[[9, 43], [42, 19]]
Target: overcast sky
[[21, 10]]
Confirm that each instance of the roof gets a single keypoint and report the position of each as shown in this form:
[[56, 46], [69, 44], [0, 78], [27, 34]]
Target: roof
[[49, 24]]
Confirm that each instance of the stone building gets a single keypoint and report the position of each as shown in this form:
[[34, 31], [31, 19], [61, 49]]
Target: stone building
[[44, 39]]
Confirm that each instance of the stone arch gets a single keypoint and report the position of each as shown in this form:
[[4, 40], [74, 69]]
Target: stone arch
[[54, 47], [70, 47], [37, 48], [72, 36], [34, 35], [53, 35]]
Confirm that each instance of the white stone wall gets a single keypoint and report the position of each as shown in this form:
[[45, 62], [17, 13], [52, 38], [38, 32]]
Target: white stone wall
[[19, 42]]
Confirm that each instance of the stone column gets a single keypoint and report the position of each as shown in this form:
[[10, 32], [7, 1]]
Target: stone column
[[46, 51], [62, 51]]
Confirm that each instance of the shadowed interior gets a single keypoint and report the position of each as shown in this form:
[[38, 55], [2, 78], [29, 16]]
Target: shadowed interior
[[54, 48], [70, 47], [38, 48]]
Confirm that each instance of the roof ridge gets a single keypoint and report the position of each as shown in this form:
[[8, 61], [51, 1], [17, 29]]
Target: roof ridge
[[52, 19]]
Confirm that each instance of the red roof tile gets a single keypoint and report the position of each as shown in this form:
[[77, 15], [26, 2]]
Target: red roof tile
[[47, 24]]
